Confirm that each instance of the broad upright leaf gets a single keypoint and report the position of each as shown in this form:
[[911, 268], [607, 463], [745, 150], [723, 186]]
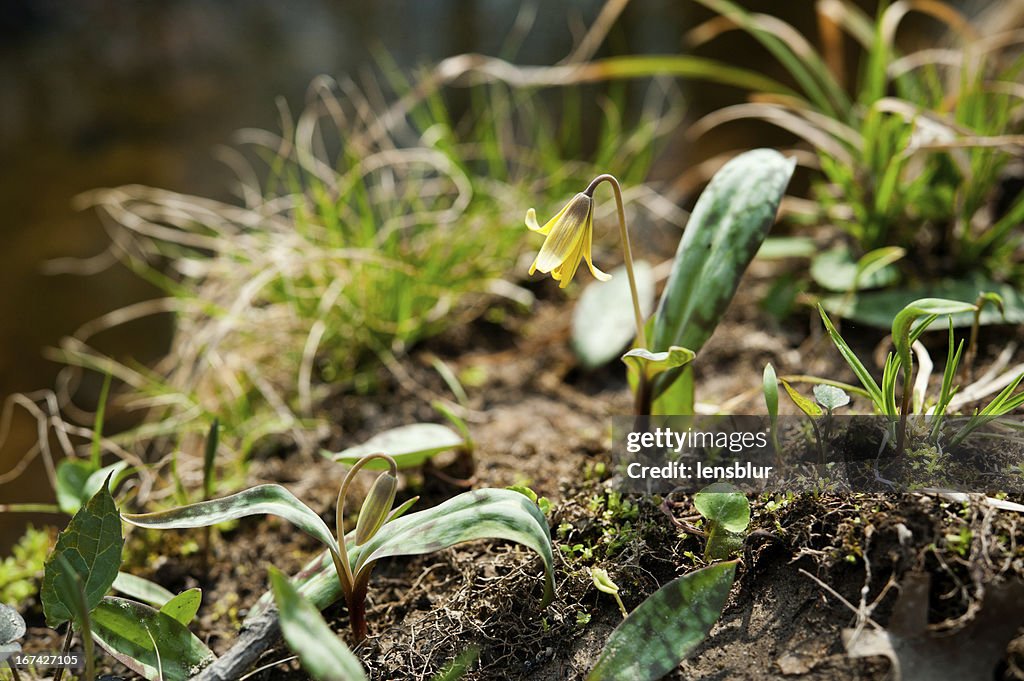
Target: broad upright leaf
[[91, 544], [667, 627], [184, 606], [262, 499], [725, 505], [603, 322], [148, 641], [409, 446], [320, 650], [730, 221]]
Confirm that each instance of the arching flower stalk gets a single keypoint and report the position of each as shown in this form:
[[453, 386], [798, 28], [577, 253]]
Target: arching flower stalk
[[569, 240]]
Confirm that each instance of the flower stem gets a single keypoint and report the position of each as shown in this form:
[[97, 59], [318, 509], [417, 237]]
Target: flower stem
[[626, 251], [355, 597]]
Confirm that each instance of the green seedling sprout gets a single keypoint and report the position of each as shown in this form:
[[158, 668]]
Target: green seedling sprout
[[771, 400], [603, 582], [832, 398]]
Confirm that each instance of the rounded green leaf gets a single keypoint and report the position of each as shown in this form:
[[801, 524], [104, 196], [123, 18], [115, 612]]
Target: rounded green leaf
[[12, 626], [320, 650], [667, 627], [91, 545], [603, 322], [831, 397], [410, 446], [148, 641], [723, 505], [184, 606]]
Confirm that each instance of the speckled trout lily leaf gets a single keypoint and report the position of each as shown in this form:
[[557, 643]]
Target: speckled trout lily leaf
[[480, 514], [91, 545], [667, 627], [320, 650], [602, 321], [727, 227], [12, 628], [262, 499], [730, 221], [149, 642], [654, 363], [410, 446]]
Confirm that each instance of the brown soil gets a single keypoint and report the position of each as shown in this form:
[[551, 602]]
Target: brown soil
[[537, 419]]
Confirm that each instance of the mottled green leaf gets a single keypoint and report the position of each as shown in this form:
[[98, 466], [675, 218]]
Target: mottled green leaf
[[480, 514], [603, 322], [830, 397], [410, 446], [12, 626], [725, 505], [184, 606], [259, 500], [730, 221], [148, 641], [320, 650], [141, 589], [667, 627], [91, 544]]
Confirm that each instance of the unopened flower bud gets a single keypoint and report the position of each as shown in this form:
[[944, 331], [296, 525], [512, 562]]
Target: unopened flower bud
[[376, 508]]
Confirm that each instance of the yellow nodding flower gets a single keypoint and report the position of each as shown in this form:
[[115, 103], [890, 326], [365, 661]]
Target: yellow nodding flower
[[569, 238]]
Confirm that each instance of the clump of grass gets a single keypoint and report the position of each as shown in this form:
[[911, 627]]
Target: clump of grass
[[359, 231], [914, 151]]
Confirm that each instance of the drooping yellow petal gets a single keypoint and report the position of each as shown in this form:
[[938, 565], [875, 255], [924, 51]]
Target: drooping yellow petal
[[567, 270], [531, 223]]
